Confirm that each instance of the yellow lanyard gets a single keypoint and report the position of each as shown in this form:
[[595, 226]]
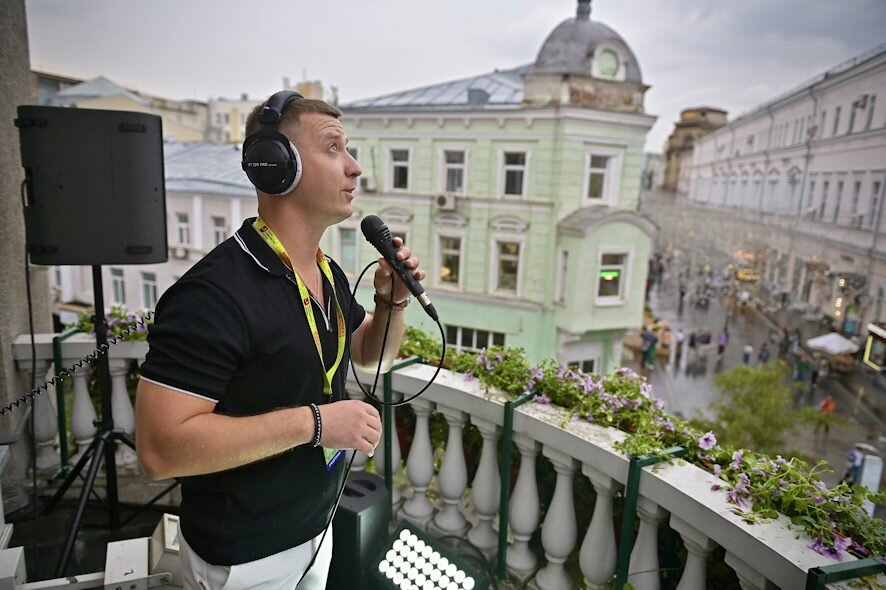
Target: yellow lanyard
[[268, 235]]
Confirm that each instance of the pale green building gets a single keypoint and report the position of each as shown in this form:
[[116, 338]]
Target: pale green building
[[518, 190]]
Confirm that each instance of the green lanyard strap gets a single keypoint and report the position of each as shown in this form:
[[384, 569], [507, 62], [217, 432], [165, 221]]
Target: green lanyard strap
[[268, 235]]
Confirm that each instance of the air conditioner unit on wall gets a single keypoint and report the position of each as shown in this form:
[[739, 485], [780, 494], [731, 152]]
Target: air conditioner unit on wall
[[445, 202], [367, 184], [179, 252], [862, 101]]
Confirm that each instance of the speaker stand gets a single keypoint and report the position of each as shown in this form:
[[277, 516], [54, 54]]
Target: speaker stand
[[103, 443]]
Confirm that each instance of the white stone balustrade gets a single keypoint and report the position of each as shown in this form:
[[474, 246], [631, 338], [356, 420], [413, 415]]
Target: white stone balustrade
[[396, 457], [764, 556], [558, 534], [83, 415], [486, 488], [121, 410], [598, 554], [45, 418], [453, 477]]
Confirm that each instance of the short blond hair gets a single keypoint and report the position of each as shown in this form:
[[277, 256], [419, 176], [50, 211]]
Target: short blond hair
[[292, 112]]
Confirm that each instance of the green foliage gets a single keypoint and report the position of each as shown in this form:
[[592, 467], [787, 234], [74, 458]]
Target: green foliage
[[757, 403], [120, 323], [756, 410]]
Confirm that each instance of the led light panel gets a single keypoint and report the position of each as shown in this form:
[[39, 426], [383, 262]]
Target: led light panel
[[412, 560]]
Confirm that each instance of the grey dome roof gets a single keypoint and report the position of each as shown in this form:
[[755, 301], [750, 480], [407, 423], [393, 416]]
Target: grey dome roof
[[569, 49]]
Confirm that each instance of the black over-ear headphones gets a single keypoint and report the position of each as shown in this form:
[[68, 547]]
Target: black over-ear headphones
[[270, 160]]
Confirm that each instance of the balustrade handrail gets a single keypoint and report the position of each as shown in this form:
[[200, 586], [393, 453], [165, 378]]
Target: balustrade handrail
[[60, 398]]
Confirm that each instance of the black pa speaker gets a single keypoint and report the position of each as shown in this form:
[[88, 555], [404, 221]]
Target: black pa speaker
[[94, 185], [359, 530]]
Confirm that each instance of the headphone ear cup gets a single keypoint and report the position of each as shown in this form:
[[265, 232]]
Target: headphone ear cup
[[272, 164]]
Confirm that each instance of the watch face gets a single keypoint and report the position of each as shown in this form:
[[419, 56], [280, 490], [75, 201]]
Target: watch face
[[608, 63]]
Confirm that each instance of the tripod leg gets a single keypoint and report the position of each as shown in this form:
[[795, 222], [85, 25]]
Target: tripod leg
[[101, 444], [69, 479], [111, 479], [126, 439]]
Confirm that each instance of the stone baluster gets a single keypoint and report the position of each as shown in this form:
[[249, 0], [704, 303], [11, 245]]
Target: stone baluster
[[45, 418], [486, 489], [748, 577], [698, 547], [558, 534], [523, 509], [420, 467], [395, 454], [83, 416], [453, 477], [598, 550], [684, 353], [121, 409], [644, 569], [360, 458]]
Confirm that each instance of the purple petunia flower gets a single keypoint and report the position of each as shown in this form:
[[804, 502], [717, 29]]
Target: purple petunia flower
[[541, 399], [734, 498], [469, 376], [538, 374], [717, 470], [820, 486], [737, 459], [707, 441]]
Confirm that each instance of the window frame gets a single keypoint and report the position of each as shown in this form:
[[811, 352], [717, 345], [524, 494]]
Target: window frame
[[182, 228], [219, 230], [438, 258], [118, 281], [149, 284], [443, 169], [623, 288], [460, 347], [494, 260], [391, 166], [339, 249], [611, 178], [502, 171]]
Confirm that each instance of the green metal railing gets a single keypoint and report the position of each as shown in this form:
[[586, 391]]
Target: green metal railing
[[388, 426], [818, 577], [629, 515], [60, 401], [504, 499]]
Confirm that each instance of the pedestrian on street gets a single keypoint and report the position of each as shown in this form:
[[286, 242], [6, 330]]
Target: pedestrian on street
[[722, 341], [682, 297], [813, 377], [746, 354], [680, 338], [692, 344], [854, 463], [763, 355], [825, 416]]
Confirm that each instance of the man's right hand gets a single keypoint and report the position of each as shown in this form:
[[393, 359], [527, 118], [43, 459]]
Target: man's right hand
[[350, 424]]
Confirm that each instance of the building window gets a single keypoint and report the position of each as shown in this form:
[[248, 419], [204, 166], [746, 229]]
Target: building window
[[149, 290], [507, 267], [183, 228], [562, 269], [585, 366], [611, 280], [597, 177], [822, 207], [824, 118], [838, 197], [515, 173], [852, 110], [875, 200], [118, 287], [218, 118], [455, 171], [472, 340], [227, 118], [450, 260], [857, 218], [353, 151], [836, 120], [219, 230], [347, 249], [810, 197], [872, 101], [400, 169]]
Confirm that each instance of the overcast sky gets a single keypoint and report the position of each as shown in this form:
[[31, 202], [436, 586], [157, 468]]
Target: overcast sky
[[724, 53]]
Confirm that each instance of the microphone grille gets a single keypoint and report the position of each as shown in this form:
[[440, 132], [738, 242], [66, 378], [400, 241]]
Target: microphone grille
[[374, 228]]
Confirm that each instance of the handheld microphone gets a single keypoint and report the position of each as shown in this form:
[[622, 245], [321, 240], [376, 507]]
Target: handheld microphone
[[378, 234]]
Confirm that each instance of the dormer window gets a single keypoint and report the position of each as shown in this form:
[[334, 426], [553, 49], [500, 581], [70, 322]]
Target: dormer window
[[608, 63]]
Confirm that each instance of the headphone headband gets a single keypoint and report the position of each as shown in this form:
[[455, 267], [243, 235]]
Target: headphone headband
[[273, 111]]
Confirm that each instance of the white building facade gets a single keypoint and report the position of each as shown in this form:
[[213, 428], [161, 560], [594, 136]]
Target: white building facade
[[801, 180]]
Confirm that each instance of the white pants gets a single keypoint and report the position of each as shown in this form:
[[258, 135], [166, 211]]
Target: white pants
[[280, 571]]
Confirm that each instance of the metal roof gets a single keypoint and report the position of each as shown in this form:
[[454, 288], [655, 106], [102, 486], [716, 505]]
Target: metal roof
[[495, 90], [208, 168], [96, 88]]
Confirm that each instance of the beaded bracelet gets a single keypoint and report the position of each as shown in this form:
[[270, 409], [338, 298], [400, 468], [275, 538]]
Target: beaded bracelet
[[318, 426], [394, 306]]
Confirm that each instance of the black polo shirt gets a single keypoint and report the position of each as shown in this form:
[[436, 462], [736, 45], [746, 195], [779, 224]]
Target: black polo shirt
[[233, 330]]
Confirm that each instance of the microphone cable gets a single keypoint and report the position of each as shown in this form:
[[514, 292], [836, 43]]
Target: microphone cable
[[369, 394]]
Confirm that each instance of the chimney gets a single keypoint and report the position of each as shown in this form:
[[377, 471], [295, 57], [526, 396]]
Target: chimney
[[584, 10]]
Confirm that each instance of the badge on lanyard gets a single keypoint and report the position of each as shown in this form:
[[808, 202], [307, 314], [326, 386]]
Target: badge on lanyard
[[332, 456]]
